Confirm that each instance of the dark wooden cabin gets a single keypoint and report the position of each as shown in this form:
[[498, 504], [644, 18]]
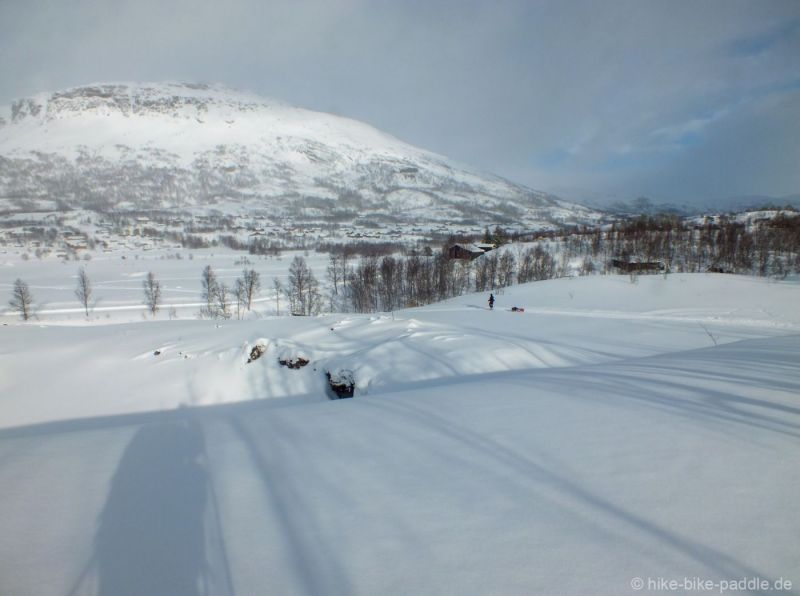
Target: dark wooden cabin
[[465, 252]]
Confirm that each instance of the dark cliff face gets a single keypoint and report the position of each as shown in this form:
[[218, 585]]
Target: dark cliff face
[[172, 99]]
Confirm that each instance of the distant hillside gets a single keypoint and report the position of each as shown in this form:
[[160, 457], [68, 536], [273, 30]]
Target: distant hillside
[[167, 145]]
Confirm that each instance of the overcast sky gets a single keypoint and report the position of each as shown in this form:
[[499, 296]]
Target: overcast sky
[[679, 100]]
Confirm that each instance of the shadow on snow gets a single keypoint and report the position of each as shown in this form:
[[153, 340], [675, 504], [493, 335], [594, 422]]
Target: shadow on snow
[[151, 537]]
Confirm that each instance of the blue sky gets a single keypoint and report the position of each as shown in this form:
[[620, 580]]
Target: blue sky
[[676, 100]]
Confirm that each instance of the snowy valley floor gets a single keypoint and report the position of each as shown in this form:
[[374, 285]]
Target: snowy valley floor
[[612, 431]]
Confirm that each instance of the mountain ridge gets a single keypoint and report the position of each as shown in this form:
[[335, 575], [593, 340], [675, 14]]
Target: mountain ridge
[[166, 145]]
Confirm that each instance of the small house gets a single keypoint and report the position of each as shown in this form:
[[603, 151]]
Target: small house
[[465, 252]]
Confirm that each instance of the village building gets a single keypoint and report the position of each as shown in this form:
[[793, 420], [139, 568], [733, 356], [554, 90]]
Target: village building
[[465, 252]]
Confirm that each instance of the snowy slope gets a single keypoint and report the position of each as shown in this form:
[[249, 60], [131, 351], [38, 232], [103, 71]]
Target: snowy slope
[[599, 437], [567, 322], [179, 145]]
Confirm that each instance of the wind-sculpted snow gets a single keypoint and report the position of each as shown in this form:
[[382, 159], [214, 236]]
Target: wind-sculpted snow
[[610, 433], [566, 323], [155, 146], [559, 480]]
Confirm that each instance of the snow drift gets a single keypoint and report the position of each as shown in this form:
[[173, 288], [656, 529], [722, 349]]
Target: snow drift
[[601, 437]]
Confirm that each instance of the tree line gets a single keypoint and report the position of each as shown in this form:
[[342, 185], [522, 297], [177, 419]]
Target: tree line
[[384, 282], [221, 301], [391, 282], [725, 245]]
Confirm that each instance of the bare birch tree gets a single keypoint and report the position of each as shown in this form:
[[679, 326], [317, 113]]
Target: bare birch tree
[[223, 306], [278, 287], [240, 295], [22, 299], [83, 291], [152, 293], [251, 281], [303, 289], [210, 289]]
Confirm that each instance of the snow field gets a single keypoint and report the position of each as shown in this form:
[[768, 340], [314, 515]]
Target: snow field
[[566, 323], [612, 431]]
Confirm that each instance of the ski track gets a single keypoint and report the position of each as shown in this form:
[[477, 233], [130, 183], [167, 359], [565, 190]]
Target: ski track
[[565, 459], [271, 514]]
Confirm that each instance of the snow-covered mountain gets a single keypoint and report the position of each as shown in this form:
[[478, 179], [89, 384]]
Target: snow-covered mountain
[[173, 145]]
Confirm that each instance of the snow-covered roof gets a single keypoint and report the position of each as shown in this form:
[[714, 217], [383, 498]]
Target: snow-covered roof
[[469, 247]]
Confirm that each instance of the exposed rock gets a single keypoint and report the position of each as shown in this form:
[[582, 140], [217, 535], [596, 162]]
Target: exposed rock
[[298, 362], [342, 383], [256, 353]]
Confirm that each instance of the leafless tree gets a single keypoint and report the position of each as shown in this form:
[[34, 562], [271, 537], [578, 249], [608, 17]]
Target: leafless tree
[[492, 262], [505, 269], [412, 277], [152, 293], [22, 299], [481, 274], [544, 265], [525, 269], [461, 277], [364, 285], [251, 282], [390, 277], [442, 276], [278, 287], [210, 289], [83, 291], [344, 259], [240, 295], [335, 273], [223, 306], [303, 289]]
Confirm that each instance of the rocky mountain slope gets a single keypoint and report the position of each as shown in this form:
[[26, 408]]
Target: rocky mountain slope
[[168, 145]]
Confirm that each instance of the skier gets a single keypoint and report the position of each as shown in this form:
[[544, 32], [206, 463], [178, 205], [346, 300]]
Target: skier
[[491, 301]]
